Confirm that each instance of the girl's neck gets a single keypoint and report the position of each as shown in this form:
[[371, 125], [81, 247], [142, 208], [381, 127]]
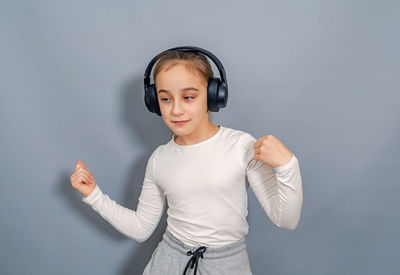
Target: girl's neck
[[198, 135]]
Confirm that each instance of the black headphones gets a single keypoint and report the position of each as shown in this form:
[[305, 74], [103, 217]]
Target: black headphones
[[217, 89]]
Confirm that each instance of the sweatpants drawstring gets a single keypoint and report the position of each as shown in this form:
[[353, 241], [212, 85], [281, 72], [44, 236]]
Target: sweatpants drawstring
[[195, 258]]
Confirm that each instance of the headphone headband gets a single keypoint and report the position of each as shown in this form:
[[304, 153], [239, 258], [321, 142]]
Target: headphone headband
[[187, 49]]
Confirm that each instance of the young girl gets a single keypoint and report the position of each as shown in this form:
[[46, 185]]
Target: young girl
[[203, 172]]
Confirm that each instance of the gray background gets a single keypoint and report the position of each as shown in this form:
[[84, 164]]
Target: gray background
[[322, 76]]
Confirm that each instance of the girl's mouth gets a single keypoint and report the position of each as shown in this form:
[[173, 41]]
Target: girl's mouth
[[180, 122]]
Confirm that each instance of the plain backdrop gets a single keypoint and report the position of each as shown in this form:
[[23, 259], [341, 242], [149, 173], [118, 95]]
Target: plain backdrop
[[321, 76]]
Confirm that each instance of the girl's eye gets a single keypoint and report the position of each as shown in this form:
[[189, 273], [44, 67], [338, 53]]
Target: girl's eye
[[165, 99]]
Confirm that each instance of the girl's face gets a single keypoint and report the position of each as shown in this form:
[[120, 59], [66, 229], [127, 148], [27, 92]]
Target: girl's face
[[182, 96]]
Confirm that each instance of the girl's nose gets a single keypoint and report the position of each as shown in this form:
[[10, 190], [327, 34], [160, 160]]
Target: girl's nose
[[177, 108]]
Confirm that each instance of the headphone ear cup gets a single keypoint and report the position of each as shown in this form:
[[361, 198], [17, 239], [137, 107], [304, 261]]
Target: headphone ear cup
[[222, 95], [212, 94], [151, 100]]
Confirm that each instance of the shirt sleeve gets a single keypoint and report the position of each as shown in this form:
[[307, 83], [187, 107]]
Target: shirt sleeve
[[280, 193], [139, 224]]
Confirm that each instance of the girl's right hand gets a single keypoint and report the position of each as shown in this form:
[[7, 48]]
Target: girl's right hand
[[82, 179]]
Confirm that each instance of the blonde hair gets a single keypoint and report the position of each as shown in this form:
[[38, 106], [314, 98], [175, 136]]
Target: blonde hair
[[194, 62]]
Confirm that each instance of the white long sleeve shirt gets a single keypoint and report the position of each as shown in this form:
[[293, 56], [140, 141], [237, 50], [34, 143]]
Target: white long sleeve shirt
[[206, 187]]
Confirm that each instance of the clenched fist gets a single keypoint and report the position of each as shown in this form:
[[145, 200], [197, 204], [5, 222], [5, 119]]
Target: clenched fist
[[82, 179], [271, 151]]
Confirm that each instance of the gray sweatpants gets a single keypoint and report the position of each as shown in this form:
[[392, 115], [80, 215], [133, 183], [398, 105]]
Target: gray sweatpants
[[172, 257]]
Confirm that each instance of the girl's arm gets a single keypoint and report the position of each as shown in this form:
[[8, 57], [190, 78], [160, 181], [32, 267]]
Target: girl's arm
[[280, 193], [139, 224]]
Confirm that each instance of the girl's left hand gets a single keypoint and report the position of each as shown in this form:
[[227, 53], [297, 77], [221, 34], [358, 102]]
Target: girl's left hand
[[271, 151]]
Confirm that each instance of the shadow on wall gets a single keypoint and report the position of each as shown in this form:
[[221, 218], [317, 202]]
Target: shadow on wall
[[149, 129]]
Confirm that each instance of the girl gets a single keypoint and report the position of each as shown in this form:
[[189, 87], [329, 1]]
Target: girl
[[203, 172]]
